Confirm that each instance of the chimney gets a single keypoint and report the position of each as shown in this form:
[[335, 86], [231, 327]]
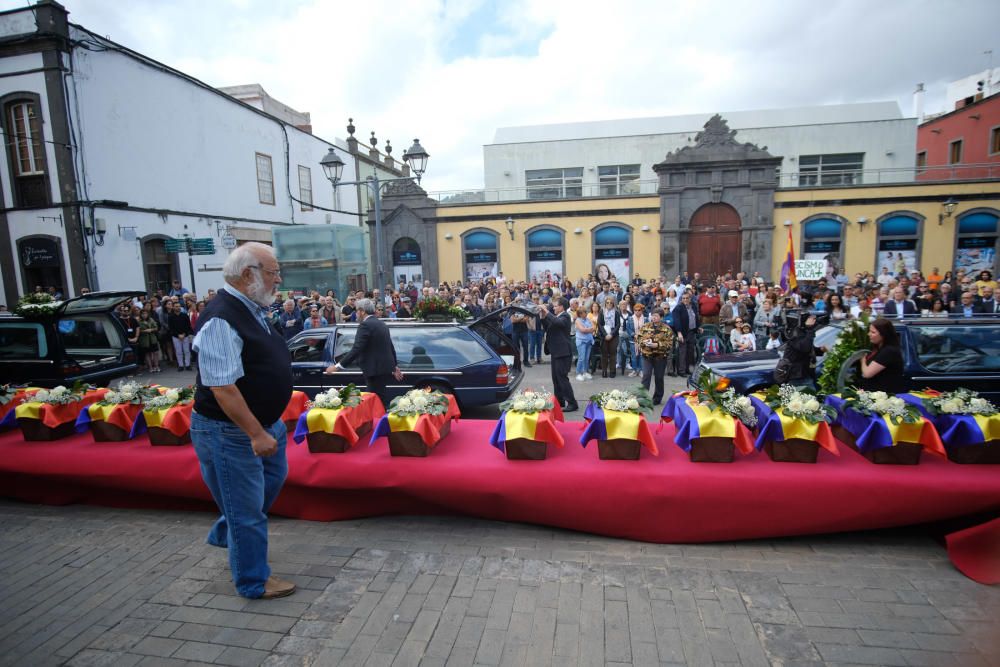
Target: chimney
[[918, 103]]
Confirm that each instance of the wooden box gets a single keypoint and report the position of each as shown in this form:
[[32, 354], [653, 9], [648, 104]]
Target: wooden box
[[523, 449], [105, 432], [35, 430], [322, 442], [792, 450], [984, 452], [712, 450], [845, 436], [902, 453], [409, 443], [618, 449], [161, 436]]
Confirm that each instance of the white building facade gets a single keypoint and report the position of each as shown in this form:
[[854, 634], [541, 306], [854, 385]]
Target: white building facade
[[112, 157], [823, 145]]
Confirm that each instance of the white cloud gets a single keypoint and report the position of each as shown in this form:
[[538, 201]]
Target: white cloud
[[386, 62]]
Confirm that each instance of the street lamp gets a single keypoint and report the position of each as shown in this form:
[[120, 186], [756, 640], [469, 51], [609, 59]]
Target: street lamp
[[510, 227], [333, 169], [949, 208]]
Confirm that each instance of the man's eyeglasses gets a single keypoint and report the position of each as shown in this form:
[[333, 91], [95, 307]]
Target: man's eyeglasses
[[274, 273]]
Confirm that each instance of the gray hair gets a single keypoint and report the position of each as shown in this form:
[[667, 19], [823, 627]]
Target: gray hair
[[242, 258], [288, 302], [366, 305]]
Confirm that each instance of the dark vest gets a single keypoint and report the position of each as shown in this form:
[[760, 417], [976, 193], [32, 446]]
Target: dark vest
[[266, 384]]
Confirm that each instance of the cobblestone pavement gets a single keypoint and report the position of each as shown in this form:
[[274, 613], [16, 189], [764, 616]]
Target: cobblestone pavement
[[95, 586]]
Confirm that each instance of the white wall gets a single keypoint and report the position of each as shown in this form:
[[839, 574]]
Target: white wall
[[875, 139]]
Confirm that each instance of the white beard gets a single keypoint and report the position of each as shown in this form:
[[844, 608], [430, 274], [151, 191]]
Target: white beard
[[258, 293]]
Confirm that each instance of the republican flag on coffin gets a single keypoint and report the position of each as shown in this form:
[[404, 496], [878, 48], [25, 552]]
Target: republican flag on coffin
[[788, 279]]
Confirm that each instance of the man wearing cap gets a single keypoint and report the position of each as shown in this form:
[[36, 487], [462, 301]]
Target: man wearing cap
[[731, 310], [404, 308]]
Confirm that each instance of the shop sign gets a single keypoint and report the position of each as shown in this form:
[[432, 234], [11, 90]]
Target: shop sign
[[40, 253]]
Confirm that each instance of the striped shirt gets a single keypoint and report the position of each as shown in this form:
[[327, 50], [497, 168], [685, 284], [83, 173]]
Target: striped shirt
[[220, 348]]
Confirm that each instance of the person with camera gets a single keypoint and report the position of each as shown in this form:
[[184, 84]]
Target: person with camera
[[798, 363], [560, 348]]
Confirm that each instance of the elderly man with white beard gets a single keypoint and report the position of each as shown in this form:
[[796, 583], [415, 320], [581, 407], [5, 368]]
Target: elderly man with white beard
[[244, 383]]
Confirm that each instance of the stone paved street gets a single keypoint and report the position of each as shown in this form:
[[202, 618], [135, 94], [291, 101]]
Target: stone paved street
[[95, 586]]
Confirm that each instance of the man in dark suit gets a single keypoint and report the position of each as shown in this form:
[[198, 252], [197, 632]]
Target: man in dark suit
[[899, 305], [988, 301], [373, 350], [557, 340], [685, 323], [968, 306]]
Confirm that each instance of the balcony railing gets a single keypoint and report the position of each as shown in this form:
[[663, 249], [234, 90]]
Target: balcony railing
[[785, 179]]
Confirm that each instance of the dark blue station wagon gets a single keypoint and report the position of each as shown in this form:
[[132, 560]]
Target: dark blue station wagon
[[473, 361]]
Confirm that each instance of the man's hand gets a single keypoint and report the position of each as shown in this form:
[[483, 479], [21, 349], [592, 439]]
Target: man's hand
[[264, 444], [398, 374], [330, 370]]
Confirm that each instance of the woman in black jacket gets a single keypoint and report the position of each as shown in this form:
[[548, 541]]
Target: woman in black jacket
[[179, 325], [609, 322]]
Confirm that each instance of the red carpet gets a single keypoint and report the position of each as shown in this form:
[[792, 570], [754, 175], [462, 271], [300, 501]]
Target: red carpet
[[656, 499], [976, 552]]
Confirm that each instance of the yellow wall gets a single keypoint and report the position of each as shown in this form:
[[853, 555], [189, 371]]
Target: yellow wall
[[578, 255], [937, 242]]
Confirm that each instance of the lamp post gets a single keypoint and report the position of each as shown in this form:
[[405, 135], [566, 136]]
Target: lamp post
[[510, 227], [333, 169], [948, 207]]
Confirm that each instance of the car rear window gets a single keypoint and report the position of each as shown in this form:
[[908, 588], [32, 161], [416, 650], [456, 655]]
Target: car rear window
[[952, 348], [428, 348], [23, 340], [90, 337]]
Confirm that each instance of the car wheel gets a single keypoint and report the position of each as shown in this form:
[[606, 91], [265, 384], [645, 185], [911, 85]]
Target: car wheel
[[849, 372]]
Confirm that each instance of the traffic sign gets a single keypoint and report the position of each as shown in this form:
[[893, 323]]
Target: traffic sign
[[204, 246], [175, 245], [228, 241]]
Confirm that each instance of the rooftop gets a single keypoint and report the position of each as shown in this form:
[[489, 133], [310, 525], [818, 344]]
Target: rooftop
[[814, 115]]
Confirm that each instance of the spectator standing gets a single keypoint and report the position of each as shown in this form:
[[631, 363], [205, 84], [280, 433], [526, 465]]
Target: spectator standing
[[656, 340], [149, 343], [289, 319], [709, 306], [609, 322], [584, 343], [731, 311], [181, 332], [557, 339], [686, 325]]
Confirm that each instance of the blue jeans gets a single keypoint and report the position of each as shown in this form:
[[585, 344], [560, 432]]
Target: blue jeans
[[535, 349], [583, 349], [626, 350], [244, 486], [521, 342]]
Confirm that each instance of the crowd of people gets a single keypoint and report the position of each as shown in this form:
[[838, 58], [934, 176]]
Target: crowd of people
[[639, 328]]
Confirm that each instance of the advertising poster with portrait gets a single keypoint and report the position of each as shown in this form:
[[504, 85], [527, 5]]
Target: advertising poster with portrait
[[976, 254], [612, 263], [481, 266], [898, 255], [545, 266]]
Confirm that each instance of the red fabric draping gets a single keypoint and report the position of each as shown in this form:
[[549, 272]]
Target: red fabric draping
[[545, 427], [54, 415], [296, 406], [17, 399], [178, 419], [124, 415], [657, 499], [428, 427], [976, 551], [350, 419], [743, 438]]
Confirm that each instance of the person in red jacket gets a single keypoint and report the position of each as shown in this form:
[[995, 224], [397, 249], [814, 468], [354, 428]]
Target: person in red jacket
[[709, 305]]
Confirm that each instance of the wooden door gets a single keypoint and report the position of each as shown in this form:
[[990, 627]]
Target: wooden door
[[714, 244]]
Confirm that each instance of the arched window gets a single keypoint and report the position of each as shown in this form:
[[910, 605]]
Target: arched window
[[160, 266], [546, 254], [42, 265], [406, 261], [612, 254], [976, 241], [22, 123], [822, 238], [898, 243], [480, 254]]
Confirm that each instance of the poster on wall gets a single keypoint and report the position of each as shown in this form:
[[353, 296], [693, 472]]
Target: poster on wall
[[898, 255], [976, 254], [481, 266], [545, 266], [612, 263], [828, 250], [810, 269]]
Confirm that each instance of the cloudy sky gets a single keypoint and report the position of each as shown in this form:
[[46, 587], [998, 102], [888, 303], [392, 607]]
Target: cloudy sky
[[452, 71]]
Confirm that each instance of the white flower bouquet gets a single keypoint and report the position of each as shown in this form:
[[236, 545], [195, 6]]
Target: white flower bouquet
[[799, 403], [959, 402], [36, 305], [716, 393], [58, 395], [335, 399], [419, 402], [129, 392], [634, 400], [880, 404], [528, 402], [169, 398]]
